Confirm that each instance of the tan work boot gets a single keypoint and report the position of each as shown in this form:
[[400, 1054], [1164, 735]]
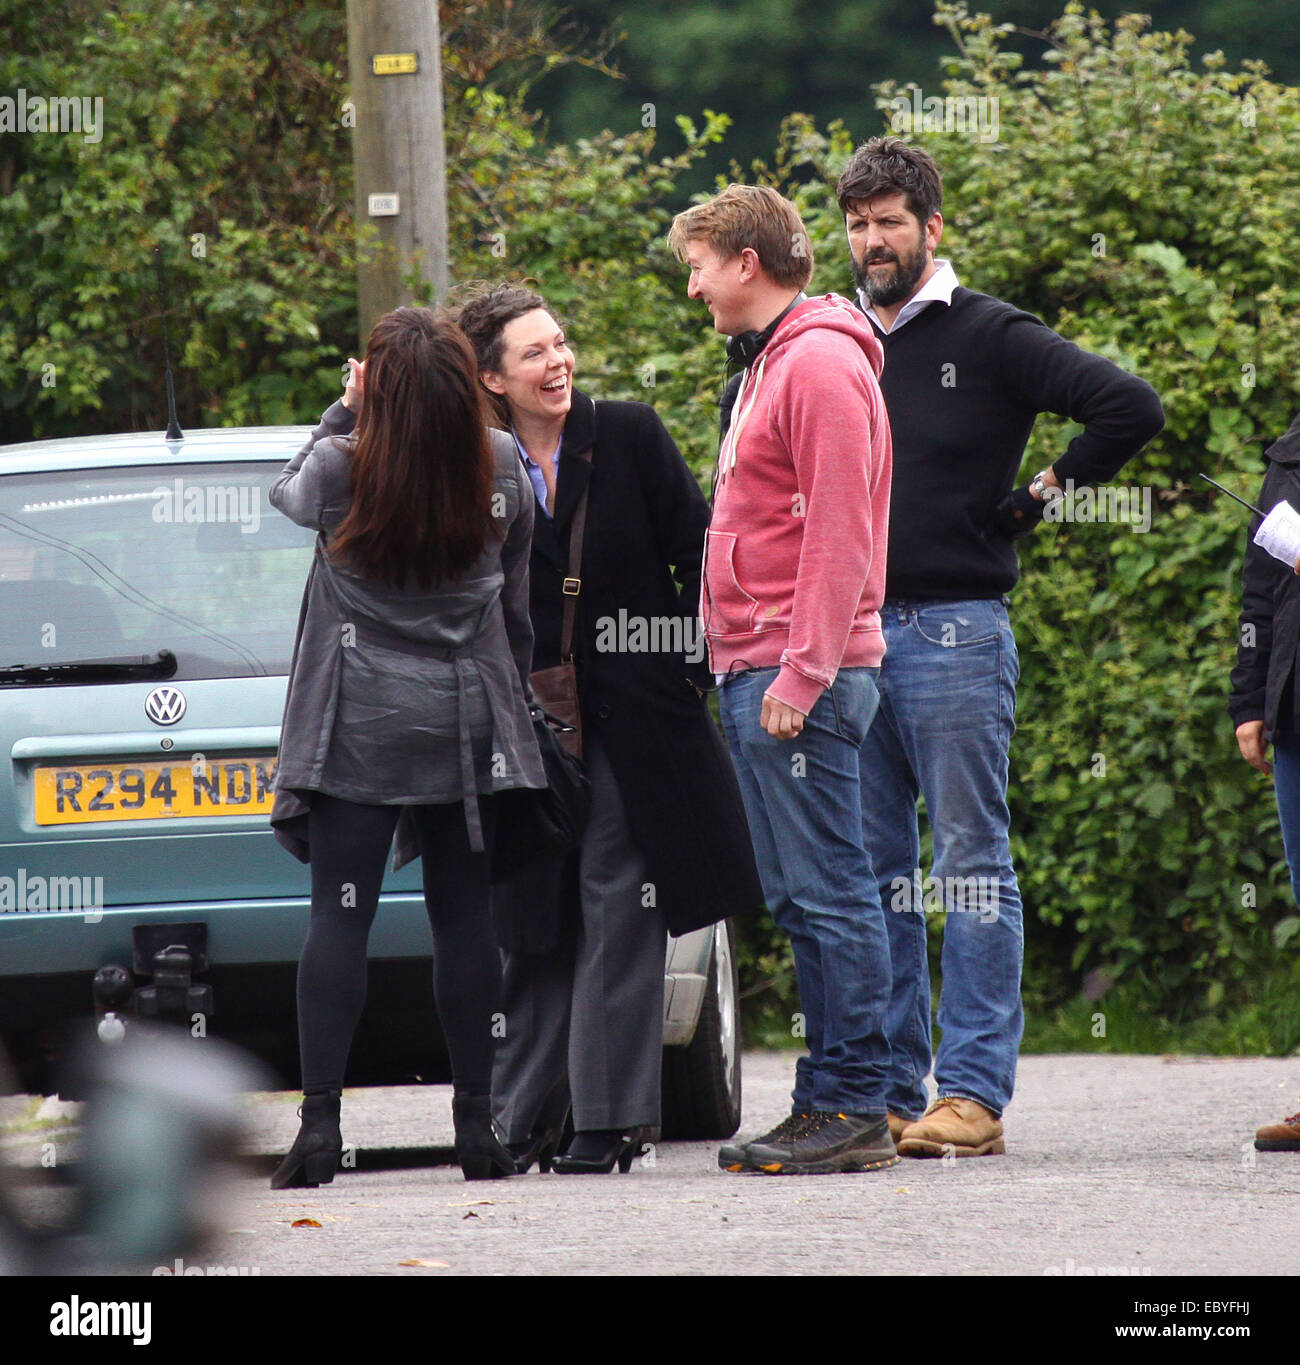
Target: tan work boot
[[896, 1125], [952, 1125], [1279, 1137]]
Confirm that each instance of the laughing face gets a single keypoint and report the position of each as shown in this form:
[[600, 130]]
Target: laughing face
[[536, 374], [719, 282]]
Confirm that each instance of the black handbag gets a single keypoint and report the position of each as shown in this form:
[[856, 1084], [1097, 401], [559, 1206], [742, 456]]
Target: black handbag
[[535, 824]]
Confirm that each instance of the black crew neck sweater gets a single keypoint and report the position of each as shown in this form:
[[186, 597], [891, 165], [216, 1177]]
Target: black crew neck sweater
[[963, 384]]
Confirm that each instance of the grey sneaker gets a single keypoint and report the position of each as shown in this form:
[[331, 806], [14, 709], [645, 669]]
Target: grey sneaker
[[828, 1143], [734, 1156]]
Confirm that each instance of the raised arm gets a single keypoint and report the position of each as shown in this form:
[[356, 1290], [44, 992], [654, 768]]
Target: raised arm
[[316, 479], [1118, 411]]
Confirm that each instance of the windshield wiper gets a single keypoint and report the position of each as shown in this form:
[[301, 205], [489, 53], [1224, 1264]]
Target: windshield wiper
[[122, 668]]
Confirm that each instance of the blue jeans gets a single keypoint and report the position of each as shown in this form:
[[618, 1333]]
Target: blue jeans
[[1286, 787], [802, 797], [944, 727]]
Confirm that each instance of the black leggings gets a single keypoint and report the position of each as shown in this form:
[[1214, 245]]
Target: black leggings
[[349, 849]]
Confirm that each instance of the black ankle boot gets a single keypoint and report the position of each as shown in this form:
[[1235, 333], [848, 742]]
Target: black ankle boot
[[478, 1148], [314, 1156]]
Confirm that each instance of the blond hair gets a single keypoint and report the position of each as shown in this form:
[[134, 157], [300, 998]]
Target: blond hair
[[749, 216]]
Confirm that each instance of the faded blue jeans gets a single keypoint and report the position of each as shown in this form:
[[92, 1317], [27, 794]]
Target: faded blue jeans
[[802, 797], [944, 727]]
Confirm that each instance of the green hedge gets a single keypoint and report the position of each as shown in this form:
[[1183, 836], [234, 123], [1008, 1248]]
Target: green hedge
[[1144, 208]]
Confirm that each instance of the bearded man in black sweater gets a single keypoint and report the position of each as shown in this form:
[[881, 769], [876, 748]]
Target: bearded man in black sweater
[[965, 376]]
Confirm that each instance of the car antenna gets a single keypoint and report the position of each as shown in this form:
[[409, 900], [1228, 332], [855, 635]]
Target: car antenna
[[1249, 505], [174, 432]]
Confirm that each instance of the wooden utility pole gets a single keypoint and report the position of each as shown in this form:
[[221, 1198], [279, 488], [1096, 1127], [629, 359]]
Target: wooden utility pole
[[398, 154]]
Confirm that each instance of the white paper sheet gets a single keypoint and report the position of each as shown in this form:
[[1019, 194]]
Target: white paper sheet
[[1279, 534]]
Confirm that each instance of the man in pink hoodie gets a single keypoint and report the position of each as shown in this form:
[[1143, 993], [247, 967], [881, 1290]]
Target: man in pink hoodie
[[793, 580]]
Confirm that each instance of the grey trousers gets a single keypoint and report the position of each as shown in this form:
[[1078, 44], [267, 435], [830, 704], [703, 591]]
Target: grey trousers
[[584, 1023]]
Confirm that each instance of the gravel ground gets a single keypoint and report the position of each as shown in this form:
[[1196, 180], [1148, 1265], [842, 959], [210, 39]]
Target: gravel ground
[[1115, 1166]]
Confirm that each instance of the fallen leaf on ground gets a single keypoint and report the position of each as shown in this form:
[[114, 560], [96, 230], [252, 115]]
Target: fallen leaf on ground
[[432, 1265], [304, 1223]]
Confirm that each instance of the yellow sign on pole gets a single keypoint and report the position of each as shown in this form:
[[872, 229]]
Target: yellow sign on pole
[[395, 63]]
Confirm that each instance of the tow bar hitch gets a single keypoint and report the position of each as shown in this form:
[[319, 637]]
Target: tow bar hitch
[[172, 954]]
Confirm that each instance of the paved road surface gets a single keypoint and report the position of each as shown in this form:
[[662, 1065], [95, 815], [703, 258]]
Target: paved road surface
[[1115, 1166]]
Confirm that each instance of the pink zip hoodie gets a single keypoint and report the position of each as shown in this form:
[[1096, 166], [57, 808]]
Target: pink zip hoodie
[[794, 571]]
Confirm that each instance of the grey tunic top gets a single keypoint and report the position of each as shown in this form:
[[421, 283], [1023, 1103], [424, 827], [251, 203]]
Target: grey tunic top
[[401, 696]]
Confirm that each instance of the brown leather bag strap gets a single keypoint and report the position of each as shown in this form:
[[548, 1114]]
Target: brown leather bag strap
[[573, 583]]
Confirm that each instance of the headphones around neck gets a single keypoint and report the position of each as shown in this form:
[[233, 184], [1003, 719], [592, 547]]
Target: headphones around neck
[[745, 347]]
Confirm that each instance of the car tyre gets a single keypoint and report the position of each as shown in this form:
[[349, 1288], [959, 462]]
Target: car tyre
[[702, 1080]]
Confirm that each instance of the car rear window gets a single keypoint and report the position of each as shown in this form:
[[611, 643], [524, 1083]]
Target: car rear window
[[115, 563]]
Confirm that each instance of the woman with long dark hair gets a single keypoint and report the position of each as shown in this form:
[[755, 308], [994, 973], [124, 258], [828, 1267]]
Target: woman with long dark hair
[[667, 849], [406, 705]]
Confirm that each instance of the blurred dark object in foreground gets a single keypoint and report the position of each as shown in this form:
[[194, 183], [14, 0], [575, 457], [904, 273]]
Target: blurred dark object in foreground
[[159, 1133]]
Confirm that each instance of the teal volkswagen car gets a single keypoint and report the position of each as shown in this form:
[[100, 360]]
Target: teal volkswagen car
[[148, 599]]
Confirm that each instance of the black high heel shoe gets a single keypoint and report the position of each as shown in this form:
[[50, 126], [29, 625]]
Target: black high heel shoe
[[540, 1147], [314, 1156], [598, 1152], [478, 1149]]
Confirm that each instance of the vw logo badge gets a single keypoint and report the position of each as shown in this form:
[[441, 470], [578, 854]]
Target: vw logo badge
[[164, 705]]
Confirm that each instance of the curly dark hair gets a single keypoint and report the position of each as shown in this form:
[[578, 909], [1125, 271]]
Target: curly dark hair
[[888, 165], [483, 311]]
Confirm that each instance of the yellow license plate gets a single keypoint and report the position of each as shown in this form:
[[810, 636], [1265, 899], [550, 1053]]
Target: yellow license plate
[[155, 790]]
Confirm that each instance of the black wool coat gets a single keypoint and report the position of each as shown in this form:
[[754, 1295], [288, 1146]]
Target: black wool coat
[[1268, 640], [641, 561]]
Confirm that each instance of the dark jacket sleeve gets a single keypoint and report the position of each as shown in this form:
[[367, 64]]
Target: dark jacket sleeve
[[1261, 578], [316, 479], [1119, 412], [678, 510]]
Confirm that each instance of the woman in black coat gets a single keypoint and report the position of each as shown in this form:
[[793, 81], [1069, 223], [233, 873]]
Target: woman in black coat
[[668, 845], [1265, 701]]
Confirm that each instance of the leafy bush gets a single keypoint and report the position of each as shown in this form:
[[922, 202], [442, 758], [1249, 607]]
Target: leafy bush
[[1144, 208]]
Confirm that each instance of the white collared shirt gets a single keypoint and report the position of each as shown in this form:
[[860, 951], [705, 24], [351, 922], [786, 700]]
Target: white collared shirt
[[937, 289]]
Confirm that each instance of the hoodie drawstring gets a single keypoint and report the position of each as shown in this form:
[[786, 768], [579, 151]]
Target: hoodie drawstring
[[727, 455]]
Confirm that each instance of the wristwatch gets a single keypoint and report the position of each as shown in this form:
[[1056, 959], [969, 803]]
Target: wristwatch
[[1040, 488]]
